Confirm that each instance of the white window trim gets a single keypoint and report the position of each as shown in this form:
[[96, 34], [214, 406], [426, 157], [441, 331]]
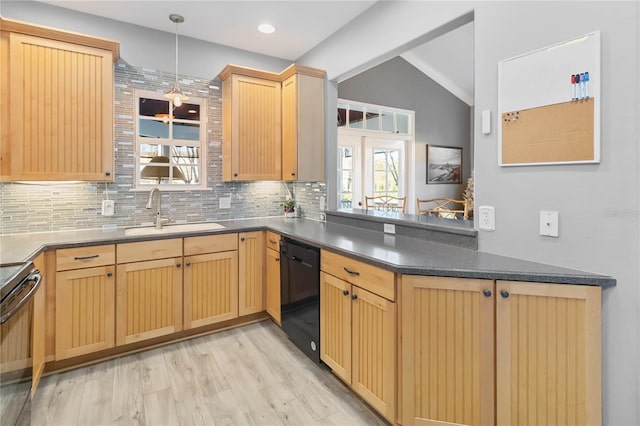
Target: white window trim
[[201, 144], [345, 138]]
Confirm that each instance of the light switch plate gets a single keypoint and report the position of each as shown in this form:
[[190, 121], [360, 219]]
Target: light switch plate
[[108, 207], [548, 223], [487, 218], [486, 122], [225, 202]]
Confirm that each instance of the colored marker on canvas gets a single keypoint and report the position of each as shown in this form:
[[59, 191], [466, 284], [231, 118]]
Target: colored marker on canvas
[[573, 87], [582, 91]]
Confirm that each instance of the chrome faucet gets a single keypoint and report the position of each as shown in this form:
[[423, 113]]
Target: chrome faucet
[[150, 201]]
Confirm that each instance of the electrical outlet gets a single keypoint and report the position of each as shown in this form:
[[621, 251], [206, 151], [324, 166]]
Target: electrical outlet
[[321, 203], [389, 228], [548, 223], [487, 218], [108, 207], [225, 202]]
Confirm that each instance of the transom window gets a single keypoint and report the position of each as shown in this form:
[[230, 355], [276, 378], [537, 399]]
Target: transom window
[[170, 142]]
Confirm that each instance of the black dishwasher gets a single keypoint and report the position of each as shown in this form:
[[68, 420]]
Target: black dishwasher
[[300, 295]]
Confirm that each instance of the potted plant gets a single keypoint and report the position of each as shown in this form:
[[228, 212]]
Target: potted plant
[[289, 208]]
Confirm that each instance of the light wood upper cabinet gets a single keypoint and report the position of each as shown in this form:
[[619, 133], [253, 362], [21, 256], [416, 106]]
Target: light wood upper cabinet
[[303, 124], [250, 272], [60, 88], [84, 300], [548, 354], [210, 279], [447, 351], [273, 124], [251, 132]]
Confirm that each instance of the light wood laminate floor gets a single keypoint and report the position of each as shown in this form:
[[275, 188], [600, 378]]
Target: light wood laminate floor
[[250, 375]]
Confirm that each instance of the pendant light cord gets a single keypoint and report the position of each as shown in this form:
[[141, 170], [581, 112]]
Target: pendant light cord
[[176, 54]]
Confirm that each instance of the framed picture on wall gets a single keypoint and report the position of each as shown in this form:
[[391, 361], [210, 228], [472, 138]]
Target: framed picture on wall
[[444, 164]]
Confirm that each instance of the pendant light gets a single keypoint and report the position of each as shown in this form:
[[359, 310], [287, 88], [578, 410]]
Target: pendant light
[[175, 94]]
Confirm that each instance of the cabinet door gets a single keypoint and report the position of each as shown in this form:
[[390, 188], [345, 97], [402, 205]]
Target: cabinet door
[[548, 356], [39, 320], [303, 126], [374, 351], [149, 300], [85, 308], [252, 140], [273, 284], [251, 272], [335, 325], [66, 131], [210, 288], [447, 351]]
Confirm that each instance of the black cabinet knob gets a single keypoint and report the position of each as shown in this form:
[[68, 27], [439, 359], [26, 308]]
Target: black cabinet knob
[[486, 292], [178, 265], [188, 264], [277, 259], [235, 175], [504, 293], [345, 292], [354, 296], [293, 173], [107, 173], [109, 274], [241, 238]]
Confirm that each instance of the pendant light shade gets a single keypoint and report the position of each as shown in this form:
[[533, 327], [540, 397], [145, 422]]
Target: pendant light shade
[[175, 95]]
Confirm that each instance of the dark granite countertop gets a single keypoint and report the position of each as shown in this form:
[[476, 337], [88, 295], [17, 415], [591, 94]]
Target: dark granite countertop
[[398, 253]]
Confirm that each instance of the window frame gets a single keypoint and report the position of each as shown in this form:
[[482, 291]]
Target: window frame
[[201, 143], [363, 142]]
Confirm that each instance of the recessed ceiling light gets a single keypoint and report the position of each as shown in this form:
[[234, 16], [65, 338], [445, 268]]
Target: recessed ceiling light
[[266, 28], [192, 111]]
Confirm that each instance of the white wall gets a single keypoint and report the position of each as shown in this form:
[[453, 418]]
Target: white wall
[[599, 204], [142, 46]]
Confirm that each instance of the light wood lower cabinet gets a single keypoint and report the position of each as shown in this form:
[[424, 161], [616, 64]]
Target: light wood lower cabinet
[[272, 287], [358, 341], [548, 354], [210, 288], [84, 300], [543, 339], [447, 351], [149, 299], [85, 311], [250, 272]]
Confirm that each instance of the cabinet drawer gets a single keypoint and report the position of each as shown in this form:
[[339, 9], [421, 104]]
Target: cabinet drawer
[[85, 257], [149, 250], [273, 241], [366, 276], [210, 244]]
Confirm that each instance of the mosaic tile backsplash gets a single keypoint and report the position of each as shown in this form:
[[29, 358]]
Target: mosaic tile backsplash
[[39, 207]]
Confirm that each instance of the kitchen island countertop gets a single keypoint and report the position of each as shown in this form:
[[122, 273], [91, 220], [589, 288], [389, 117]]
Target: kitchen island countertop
[[400, 254]]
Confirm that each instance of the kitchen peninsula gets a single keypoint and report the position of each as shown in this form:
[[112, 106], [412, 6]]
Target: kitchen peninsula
[[455, 299]]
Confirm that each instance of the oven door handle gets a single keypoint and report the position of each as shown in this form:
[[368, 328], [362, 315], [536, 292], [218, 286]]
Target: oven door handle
[[35, 280]]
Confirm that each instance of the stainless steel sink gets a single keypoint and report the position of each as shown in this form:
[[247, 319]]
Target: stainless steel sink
[[171, 229]]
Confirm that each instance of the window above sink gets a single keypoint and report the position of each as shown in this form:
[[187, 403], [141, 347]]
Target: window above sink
[[170, 142]]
